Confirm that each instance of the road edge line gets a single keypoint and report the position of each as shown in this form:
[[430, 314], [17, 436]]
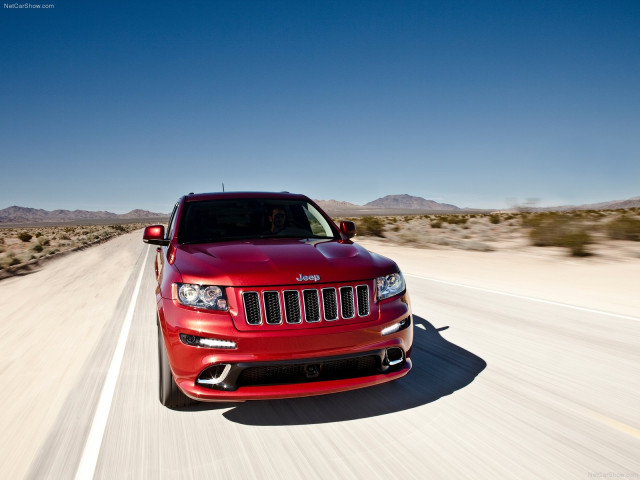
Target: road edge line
[[89, 459]]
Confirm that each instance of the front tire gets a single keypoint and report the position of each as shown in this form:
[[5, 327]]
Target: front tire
[[170, 395]]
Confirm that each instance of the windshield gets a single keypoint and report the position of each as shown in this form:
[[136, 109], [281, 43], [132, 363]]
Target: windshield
[[250, 218]]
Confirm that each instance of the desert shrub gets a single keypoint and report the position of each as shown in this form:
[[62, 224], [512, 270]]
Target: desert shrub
[[455, 219], [409, 237], [553, 229], [436, 224], [576, 241], [538, 219], [545, 228], [37, 248], [595, 213], [38, 234], [495, 219], [477, 246], [371, 226], [25, 236], [118, 228], [624, 228], [14, 261]]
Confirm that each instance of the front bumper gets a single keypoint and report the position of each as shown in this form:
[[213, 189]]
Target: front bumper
[[271, 364]]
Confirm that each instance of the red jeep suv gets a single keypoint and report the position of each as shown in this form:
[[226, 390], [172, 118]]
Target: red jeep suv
[[261, 295]]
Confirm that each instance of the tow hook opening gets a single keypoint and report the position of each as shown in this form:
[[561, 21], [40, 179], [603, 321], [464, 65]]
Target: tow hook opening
[[393, 356], [312, 370]]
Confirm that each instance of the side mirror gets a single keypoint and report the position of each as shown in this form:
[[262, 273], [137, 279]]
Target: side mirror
[[348, 228], [154, 235]]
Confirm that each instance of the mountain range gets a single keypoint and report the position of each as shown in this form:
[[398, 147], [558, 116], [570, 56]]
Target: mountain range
[[409, 202], [389, 205], [611, 205], [17, 214], [386, 205]]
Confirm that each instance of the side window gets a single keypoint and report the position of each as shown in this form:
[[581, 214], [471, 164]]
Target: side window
[[318, 224], [316, 227], [172, 222]]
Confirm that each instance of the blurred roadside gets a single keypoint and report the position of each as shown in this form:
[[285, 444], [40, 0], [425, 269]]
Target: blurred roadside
[[607, 281]]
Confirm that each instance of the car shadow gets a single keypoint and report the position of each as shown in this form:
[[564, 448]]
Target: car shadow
[[439, 369]]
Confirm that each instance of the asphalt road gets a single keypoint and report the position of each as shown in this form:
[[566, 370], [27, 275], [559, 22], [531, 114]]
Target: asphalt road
[[502, 387]]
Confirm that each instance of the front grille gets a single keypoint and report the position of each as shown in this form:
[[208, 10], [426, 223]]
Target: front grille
[[299, 373], [310, 305]]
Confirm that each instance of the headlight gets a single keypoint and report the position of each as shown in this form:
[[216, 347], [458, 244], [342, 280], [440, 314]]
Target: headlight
[[390, 285], [211, 297]]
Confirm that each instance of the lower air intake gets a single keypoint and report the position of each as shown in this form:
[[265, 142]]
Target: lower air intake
[[301, 373]]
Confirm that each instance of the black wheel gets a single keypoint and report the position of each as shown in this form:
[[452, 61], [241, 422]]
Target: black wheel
[[170, 395]]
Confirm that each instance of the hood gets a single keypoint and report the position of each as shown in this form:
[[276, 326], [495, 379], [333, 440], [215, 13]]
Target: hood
[[279, 262]]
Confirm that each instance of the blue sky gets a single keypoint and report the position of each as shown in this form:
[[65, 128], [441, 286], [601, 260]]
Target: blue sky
[[108, 105]]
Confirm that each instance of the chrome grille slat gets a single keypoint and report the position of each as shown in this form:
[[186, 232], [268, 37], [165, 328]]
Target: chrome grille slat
[[292, 306], [346, 302], [309, 305], [252, 313], [362, 295], [330, 304], [272, 310]]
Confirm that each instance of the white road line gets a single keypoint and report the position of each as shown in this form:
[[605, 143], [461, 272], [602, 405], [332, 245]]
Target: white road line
[[524, 297], [89, 459]]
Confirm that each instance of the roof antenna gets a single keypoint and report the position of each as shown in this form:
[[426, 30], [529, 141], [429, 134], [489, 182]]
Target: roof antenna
[[223, 186]]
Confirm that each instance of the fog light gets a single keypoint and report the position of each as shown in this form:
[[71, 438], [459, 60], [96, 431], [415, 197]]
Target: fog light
[[194, 341], [214, 374], [394, 356], [396, 327]]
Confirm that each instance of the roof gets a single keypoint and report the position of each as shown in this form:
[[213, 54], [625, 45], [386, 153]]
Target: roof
[[196, 197]]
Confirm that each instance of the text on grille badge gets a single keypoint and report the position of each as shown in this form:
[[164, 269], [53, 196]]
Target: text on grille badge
[[308, 278]]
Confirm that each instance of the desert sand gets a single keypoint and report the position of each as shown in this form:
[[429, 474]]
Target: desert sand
[[51, 320]]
